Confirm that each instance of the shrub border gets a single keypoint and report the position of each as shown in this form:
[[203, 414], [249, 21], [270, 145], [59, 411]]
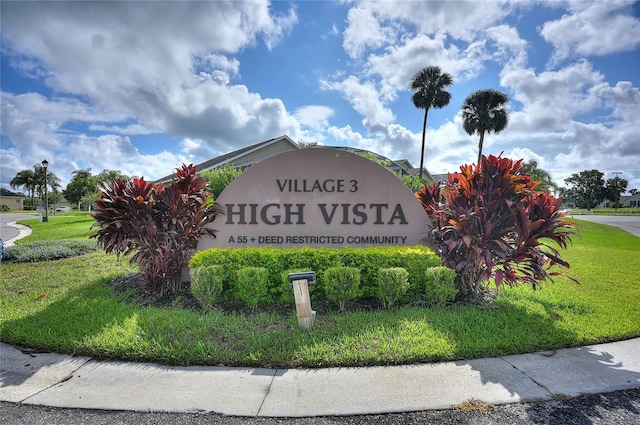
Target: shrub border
[[415, 259]]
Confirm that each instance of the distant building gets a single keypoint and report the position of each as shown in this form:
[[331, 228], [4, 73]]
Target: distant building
[[625, 200], [12, 200], [444, 178], [246, 157], [630, 201]]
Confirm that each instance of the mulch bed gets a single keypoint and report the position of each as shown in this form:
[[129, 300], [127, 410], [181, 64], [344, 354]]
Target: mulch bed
[[134, 285]]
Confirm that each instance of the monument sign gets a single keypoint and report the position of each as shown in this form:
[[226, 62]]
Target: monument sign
[[317, 197]]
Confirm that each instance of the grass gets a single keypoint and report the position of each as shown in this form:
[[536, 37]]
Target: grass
[[67, 306], [71, 225], [607, 211]]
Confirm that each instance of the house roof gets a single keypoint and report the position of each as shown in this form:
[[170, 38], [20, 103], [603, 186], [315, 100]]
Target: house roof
[[237, 154], [233, 157], [7, 193], [440, 177], [629, 198]]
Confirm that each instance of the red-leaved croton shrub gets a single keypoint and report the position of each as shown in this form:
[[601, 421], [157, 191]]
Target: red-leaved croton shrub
[[490, 222], [159, 225]]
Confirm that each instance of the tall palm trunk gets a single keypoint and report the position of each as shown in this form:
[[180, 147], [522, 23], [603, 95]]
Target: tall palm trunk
[[424, 133], [480, 147]]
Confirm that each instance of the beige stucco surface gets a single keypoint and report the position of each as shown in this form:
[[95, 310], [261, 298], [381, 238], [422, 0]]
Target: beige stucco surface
[[318, 197]]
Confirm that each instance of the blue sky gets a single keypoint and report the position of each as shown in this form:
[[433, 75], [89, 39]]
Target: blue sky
[[143, 87]]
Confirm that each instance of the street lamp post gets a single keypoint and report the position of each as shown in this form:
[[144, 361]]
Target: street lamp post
[[45, 164]]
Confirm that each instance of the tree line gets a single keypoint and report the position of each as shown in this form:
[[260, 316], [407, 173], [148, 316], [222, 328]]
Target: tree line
[[588, 188], [81, 191], [585, 189]]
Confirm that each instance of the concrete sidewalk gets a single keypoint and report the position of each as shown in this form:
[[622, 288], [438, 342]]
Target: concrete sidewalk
[[16, 231], [51, 379]]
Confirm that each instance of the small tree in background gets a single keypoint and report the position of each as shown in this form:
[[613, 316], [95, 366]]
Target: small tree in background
[[82, 183], [546, 183], [614, 188], [489, 222], [414, 183], [586, 188], [159, 225], [219, 178]]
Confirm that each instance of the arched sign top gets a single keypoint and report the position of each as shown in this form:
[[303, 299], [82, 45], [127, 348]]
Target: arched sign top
[[317, 197]]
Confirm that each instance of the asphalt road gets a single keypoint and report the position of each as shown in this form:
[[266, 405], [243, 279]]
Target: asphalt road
[[617, 408], [629, 223], [8, 232]]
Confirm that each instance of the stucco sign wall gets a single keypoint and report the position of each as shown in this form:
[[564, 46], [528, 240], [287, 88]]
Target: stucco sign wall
[[319, 197]]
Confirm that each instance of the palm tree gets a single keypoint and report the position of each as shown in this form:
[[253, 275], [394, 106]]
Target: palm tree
[[110, 176], [81, 184], [26, 179], [52, 180], [538, 174], [428, 86], [485, 111]]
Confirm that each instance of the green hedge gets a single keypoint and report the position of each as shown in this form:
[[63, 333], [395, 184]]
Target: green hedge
[[49, 250], [415, 259]]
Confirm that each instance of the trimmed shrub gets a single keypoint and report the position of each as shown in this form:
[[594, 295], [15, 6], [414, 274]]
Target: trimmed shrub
[[252, 285], [341, 284], [393, 284], [4, 208], [415, 259], [440, 288], [207, 284], [49, 250]]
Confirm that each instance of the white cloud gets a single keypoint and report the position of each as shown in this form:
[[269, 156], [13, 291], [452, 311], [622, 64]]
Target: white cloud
[[461, 20], [186, 71], [551, 99], [196, 151], [162, 64], [526, 154], [365, 32], [624, 99], [113, 152], [593, 29], [129, 129], [346, 134], [508, 47], [365, 99], [398, 63], [218, 62], [316, 117]]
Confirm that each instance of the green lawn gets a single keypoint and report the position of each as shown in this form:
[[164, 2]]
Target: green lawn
[[607, 211], [66, 306]]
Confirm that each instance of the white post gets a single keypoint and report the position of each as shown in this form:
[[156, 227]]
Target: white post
[[303, 303]]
